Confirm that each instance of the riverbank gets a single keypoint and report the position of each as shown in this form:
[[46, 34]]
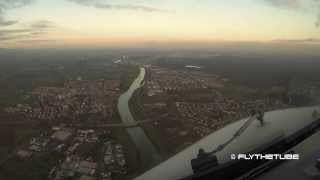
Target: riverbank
[[156, 136], [170, 134], [147, 151], [130, 151], [129, 74]]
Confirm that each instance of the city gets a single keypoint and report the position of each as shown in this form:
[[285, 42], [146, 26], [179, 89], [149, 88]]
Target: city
[[82, 135]]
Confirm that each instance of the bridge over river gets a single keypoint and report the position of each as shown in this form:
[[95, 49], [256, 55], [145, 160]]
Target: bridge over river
[[119, 125]]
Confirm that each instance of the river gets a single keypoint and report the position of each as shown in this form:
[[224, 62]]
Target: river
[[149, 155]]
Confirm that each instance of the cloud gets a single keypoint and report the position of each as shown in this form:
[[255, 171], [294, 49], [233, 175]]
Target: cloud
[[36, 41], [26, 32], [34, 30], [318, 20], [4, 22], [11, 34], [10, 4], [291, 4], [106, 5], [299, 5], [43, 24], [128, 6], [13, 31], [6, 5], [306, 40]]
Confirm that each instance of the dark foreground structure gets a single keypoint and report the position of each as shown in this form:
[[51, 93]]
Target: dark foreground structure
[[281, 132]]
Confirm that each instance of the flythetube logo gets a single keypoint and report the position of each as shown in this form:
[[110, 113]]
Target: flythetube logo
[[265, 156]]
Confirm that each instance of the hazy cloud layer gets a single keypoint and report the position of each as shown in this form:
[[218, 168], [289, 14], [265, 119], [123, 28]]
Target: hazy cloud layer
[[106, 5], [299, 5], [308, 40], [29, 41], [35, 30], [43, 24]]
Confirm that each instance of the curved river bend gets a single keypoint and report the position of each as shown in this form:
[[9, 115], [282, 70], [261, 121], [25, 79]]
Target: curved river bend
[[149, 155]]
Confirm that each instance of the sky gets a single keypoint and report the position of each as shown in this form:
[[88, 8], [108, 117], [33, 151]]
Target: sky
[[112, 23]]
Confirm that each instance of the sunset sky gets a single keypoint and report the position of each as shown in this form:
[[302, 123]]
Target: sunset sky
[[59, 23]]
